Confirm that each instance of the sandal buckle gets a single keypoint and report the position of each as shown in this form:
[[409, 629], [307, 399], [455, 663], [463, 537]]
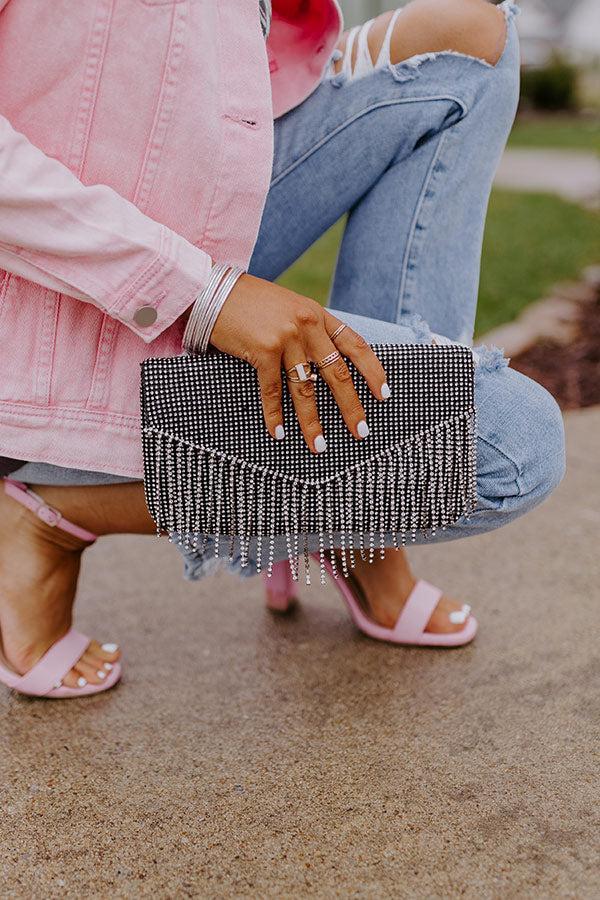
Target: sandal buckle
[[49, 515]]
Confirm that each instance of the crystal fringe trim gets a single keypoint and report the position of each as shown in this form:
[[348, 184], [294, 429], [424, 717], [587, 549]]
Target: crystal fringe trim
[[421, 484]]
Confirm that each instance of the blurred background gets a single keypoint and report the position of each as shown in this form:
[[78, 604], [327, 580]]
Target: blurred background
[[540, 268]]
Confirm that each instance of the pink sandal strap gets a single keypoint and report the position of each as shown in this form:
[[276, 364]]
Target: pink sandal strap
[[417, 612], [26, 497], [54, 665]]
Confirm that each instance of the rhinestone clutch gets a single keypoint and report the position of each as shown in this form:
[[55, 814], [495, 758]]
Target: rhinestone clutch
[[211, 469]]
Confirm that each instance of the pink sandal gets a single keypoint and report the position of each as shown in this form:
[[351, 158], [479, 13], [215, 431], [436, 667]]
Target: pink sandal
[[44, 679], [411, 624]]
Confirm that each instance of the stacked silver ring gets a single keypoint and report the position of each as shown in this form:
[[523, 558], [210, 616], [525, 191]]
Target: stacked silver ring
[[337, 331], [207, 306]]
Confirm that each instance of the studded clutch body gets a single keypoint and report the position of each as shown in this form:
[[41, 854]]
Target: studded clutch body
[[211, 469]]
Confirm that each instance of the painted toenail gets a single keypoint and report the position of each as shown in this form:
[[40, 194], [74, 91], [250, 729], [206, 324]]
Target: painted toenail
[[81, 681], [101, 674], [110, 648], [460, 616], [108, 667]]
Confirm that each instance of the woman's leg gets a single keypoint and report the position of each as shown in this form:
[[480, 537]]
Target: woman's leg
[[442, 249], [39, 568], [431, 203], [409, 151]]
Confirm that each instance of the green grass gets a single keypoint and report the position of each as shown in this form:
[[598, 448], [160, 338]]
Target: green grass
[[531, 242], [558, 132]]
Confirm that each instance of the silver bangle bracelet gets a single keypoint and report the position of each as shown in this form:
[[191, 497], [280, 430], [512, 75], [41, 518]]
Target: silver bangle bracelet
[[208, 305], [201, 317], [192, 331]]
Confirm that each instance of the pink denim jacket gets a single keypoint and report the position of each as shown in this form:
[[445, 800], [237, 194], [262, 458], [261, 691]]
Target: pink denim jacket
[[136, 147]]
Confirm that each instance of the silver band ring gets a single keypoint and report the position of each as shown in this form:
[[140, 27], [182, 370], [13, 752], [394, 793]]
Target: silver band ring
[[312, 377], [337, 331], [329, 359]]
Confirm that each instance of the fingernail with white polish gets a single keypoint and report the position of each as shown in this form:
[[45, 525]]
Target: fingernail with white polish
[[279, 433], [362, 428], [81, 681], [101, 674], [385, 391], [110, 648], [108, 667], [320, 444]]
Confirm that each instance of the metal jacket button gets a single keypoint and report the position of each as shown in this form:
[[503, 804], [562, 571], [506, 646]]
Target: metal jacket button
[[145, 316]]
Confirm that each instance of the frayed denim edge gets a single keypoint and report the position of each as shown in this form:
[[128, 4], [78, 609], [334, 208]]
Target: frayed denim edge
[[406, 69], [417, 324], [198, 564], [489, 358]]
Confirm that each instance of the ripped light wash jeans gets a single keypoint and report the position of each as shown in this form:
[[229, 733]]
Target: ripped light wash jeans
[[409, 151]]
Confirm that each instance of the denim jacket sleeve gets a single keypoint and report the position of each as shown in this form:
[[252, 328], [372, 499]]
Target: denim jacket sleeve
[[90, 242]]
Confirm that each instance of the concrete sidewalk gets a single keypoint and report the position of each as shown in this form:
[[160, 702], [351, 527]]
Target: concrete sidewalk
[[247, 756], [573, 175]]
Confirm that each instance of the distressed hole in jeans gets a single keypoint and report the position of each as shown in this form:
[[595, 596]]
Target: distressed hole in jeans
[[407, 69]]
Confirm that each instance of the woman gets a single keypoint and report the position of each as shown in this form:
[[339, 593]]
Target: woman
[[143, 142]]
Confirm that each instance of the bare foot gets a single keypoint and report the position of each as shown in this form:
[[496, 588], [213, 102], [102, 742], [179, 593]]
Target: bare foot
[[384, 586], [39, 568]]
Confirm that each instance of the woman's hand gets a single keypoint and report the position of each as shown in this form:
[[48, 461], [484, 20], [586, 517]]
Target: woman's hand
[[272, 328]]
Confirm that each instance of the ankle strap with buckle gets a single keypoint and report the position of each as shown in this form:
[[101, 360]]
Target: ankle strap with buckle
[[48, 514]]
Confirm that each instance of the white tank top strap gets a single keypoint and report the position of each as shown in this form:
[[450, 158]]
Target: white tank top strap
[[364, 63], [384, 54], [347, 60]]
